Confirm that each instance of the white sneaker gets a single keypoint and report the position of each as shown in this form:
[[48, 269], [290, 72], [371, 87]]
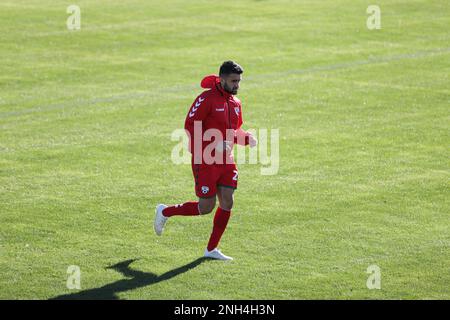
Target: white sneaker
[[216, 254], [160, 220]]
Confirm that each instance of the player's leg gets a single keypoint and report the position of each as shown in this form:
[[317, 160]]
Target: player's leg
[[205, 188], [226, 197], [221, 216], [191, 208], [225, 194], [206, 205], [205, 177]]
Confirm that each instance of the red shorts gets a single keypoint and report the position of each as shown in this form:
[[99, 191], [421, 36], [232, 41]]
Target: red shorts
[[210, 176]]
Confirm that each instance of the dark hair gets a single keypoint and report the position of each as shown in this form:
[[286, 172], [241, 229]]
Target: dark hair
[[229, 67]]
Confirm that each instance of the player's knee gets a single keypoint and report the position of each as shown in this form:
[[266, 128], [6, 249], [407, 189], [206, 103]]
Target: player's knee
[[227, 204], [205, 206]]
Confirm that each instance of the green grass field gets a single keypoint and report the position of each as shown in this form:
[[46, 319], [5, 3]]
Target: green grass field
[[85, 123]]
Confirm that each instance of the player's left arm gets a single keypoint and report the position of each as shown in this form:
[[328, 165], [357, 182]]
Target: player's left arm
[[241, 136]]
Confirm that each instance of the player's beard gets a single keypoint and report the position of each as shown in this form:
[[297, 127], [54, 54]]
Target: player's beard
[[228, 89]]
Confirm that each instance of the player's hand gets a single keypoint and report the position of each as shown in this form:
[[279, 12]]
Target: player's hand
[[229, 146], [252, 141], [226, 146]]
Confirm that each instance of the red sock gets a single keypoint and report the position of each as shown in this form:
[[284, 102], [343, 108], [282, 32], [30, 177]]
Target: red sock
[[184, 209], [220, 223]]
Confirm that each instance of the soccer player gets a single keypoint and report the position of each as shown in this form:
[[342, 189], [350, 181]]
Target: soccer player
[[213, 125]]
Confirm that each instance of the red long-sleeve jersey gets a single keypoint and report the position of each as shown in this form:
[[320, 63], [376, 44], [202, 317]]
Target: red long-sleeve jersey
[[215, 109]]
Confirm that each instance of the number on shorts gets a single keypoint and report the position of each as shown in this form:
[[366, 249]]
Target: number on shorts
[[235, 175]]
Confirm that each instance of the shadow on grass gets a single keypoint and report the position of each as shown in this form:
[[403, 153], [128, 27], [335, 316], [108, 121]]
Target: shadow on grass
[[138, 279]]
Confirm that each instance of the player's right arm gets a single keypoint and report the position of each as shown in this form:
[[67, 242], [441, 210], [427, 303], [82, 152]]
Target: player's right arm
[[199, 111]]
